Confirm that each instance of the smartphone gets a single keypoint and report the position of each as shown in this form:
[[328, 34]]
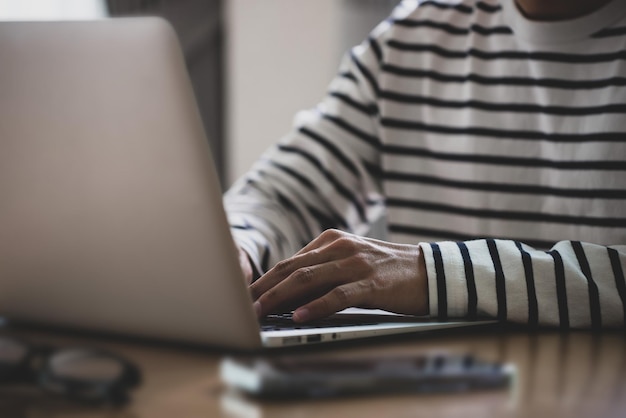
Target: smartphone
[[301, 376]]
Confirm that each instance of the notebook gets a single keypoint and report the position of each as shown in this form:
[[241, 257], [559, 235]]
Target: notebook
[[111, 211]]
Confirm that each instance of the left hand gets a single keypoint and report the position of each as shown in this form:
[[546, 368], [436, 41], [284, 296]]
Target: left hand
[[246, 266], [338, 270]]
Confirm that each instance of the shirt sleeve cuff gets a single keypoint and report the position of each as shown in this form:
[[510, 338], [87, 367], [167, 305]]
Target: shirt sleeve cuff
[[447, 286], [252, 248]]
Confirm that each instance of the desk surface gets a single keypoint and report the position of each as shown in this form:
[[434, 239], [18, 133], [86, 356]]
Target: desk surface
[[575, 374]]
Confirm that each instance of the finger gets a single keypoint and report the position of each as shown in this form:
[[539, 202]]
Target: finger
[[339, 298], [284, 269], [312, 254], [326, 237], [302, 286]]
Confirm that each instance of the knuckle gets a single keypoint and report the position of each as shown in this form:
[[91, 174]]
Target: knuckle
[[361, 261], [342, 295], [283, 266], [344, 245], [314, 253], [332, 234], [304, 275]]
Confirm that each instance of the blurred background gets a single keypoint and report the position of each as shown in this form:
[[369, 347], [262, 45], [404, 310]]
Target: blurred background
[[253, 63]]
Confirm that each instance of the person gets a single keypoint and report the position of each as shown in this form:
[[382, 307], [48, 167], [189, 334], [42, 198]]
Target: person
[[491, 137]]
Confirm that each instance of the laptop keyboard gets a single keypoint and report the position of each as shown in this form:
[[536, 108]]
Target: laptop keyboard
[[284, 321]]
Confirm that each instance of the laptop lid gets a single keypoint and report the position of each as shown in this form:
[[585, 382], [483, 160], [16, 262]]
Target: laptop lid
[[111, 212], [110, 208]]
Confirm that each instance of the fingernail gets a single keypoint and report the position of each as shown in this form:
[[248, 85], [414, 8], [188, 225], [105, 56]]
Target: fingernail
[[301, 315], [257, 308]]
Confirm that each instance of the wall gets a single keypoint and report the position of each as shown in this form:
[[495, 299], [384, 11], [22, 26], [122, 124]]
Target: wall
[[281, 55], [51, 9]]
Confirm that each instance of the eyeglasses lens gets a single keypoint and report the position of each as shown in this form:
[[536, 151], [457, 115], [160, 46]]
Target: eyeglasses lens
[[83, 374], [85, 365]]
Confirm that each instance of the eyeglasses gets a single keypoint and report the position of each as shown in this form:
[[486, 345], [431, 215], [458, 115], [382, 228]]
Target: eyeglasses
[[86, 375]]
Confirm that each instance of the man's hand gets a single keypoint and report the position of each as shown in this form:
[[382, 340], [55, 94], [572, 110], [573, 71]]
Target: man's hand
[[338, 270]]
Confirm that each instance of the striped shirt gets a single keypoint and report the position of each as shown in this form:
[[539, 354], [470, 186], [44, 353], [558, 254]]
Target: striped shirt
[[496, 143]]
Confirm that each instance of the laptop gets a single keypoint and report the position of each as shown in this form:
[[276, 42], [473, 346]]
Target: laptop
[[111, 215]]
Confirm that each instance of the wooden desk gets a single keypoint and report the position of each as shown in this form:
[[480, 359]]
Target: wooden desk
[[574, 374]]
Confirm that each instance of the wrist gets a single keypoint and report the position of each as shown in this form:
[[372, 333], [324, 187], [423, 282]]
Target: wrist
[[422, 280]]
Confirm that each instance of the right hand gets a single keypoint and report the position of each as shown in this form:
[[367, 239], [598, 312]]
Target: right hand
[[338, 270]]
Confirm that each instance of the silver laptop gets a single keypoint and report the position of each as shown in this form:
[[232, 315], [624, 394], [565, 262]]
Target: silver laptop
[[111, 216]]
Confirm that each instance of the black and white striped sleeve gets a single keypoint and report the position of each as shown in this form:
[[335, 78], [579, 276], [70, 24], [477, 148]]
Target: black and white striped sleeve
[[572, 285]]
